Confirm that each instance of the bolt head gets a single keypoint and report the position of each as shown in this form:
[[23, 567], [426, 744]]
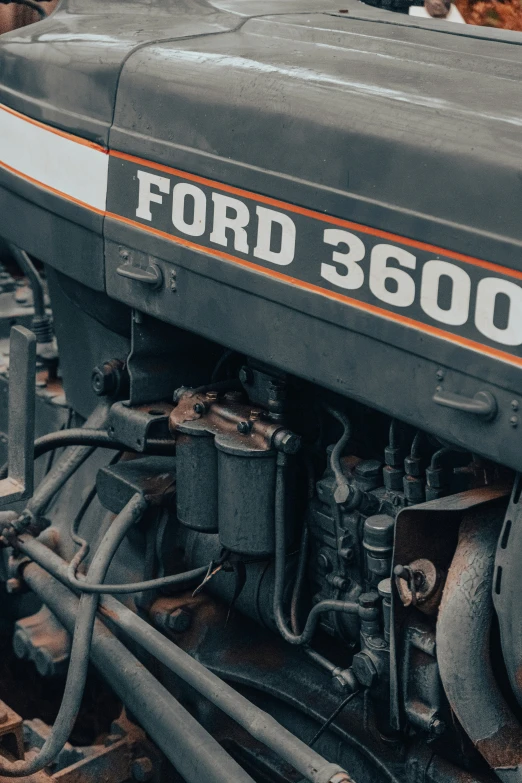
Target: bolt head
[[142, 769], [199, 408], [514, 421], [179, 621], [364, 669], [244, 427]]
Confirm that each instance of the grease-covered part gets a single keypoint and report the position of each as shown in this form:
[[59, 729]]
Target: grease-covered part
[[463, 648]]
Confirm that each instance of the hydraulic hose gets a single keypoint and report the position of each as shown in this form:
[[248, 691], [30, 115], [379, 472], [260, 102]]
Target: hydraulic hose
[[192, 751], [463, 649], [67, 465], [79, 661], [279, 569], [258, 723]]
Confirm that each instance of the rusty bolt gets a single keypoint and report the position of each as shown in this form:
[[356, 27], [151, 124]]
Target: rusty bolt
[[142, 769], [14, 585], [179, 621]]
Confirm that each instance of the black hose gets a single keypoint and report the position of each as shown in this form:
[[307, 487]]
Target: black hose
[[92, 438], [79, 660], [280, 568], [258, 723]]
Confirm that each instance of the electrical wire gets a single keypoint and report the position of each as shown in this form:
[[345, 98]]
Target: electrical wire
[[332, 717]]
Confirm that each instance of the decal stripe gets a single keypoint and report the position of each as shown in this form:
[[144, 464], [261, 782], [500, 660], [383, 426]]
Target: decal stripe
[[284, 205], [356, 303], [61, 163], [77, 170]]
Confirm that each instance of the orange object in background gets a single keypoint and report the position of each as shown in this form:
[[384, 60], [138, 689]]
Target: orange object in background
[[13, 16], [492, 13]]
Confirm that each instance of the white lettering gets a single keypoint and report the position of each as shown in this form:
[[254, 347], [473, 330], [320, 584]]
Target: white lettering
[[236, 223], [458, 311], [263, 249], [353, 277], [179, 195], [487, 291], [146, 196], [380, 272]]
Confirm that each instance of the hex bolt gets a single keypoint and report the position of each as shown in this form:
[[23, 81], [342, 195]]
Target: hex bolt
[[244, 427], [364, 669], [179, 621], [142, 769]]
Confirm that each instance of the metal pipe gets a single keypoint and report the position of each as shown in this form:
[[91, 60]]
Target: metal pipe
[[42, 323], [328, 605], [463, 654], [192, 751], [79, 661], [258, 723]]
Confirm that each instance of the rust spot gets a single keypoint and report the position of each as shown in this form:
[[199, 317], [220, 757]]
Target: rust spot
[[504, 748]]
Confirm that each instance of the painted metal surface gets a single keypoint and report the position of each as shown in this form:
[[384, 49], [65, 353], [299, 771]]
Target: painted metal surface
[[329, 123]]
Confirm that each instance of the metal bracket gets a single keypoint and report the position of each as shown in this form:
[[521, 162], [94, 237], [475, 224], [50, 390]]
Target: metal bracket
[[22, 378]]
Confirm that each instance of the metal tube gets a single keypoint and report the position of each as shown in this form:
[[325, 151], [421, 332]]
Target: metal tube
[[329, 605], [258, 723], [192, 751]]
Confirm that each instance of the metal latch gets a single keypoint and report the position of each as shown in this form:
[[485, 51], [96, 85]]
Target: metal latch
[[483, 404], [20, 454]]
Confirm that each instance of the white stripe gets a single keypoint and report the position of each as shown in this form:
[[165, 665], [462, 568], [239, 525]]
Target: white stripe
[[76, 170]]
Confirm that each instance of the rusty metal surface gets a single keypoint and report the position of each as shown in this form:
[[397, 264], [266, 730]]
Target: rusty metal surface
[[11, 732]]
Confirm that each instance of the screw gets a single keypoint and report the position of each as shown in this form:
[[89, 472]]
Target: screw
[[514, 421], [514, 405], [142, 769], [244, 427], [124, 254], [173, 283], [179, 621]]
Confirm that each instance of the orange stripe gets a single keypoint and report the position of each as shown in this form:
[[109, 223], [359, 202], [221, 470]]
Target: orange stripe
[[356, 303], [50, 189], [63, 134], [321, 216]]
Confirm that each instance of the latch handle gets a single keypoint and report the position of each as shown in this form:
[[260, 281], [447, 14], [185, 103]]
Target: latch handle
[[483, 404], [151, 276], [20, 449]]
